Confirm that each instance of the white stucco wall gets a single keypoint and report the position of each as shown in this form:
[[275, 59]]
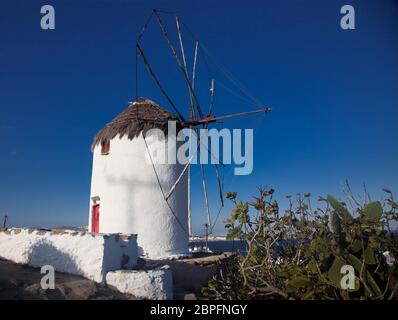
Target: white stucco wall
[[156, 284], [81, 253], [131, 201]]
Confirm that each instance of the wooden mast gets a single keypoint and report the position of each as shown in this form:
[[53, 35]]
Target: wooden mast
[[191, 116]]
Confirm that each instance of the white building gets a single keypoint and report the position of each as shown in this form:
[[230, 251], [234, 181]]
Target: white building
[[125, 193]]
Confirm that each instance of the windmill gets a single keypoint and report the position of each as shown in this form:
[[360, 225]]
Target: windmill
[[197, 117]]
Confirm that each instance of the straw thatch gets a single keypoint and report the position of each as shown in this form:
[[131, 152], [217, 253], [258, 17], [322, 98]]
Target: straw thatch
[[139, 117]]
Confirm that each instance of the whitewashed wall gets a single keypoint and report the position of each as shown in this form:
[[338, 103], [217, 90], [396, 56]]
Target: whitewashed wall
[[155, 284], [81, 253], [131, 201]]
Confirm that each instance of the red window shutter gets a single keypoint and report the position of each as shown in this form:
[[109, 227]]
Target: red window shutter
[[105, 147], [95, 218]]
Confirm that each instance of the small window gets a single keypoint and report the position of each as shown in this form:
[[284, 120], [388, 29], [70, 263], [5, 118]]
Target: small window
[[105, 147]]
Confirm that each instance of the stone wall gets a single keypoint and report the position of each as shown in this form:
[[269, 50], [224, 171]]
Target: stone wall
[[154, 284], [80, 253]]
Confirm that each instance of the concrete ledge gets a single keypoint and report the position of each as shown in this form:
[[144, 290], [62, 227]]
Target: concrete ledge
[[192, 274], [74, 252], [155, 284]]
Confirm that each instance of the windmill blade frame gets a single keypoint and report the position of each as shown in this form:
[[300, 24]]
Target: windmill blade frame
[[194, 106]]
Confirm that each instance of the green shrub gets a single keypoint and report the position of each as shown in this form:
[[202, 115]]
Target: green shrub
[[300, 254]]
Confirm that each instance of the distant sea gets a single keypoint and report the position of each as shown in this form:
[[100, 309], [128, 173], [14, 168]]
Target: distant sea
[[218, 246]]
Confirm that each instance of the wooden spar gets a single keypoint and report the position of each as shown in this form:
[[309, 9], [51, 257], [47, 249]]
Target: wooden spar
[[184, 58], [207, 238], [163, 29], [194, 64], [206, 198], [189, 190], [242, 114], [215, 119], [158, 83], [199, 141], [179, 178], [215, 165], [161, 188], [204, 183], [191, 117], [219, 185], [195, 60]]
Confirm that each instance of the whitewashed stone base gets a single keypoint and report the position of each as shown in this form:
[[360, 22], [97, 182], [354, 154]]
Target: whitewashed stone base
[[80, 253], [155, 284]]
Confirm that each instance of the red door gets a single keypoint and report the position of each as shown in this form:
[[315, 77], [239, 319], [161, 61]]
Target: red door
[[95, 218]]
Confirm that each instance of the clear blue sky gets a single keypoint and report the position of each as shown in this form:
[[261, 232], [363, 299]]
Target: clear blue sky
[[334, 95]]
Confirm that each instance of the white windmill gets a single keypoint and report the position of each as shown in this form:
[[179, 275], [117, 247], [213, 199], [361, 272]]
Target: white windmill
[[128, 195]]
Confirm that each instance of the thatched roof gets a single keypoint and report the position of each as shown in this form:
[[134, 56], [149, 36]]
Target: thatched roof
[[140, 116]]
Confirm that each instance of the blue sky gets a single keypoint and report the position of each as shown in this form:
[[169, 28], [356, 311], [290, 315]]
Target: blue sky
[[333, 92]]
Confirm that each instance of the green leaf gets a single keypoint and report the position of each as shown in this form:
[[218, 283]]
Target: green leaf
[[334, 272], [233, 233], [370, 257], [234, 215], [311, 266], [335, 275], [335, 223], [244, 218], [322, 246], [356, 245], [373, 211], [357, 285], [339, 208], [298, 282], [357, 264]]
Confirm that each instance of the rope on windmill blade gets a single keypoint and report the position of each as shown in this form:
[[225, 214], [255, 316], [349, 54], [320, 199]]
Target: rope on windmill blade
[[239, 96], [145, 27], [206, 53], [152, 73], [229, 75], [172, 48], [179, 178], [222, 200]]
